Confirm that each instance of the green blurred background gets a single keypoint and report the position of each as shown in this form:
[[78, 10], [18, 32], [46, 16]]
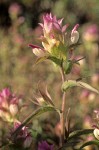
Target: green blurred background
[[19, 26]]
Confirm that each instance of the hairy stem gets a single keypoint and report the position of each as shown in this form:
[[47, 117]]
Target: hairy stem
[[62, 117]]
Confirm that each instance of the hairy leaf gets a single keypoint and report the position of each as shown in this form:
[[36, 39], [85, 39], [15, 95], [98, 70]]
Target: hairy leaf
[[87, 86], [72, 83]]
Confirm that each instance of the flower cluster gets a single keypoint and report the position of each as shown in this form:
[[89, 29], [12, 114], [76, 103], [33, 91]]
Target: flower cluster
[[54, 36], [9, 105]]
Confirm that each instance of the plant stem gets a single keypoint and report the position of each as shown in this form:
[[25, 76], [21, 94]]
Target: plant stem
[[62, 117]]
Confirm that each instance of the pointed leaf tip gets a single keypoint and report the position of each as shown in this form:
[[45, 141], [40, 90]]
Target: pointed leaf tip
[[89, 143], [87, 86], [72, 83]]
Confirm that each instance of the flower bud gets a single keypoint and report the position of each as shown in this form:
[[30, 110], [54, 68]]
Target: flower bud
[[75, 35], [96, 133], [6, 93], [41, 101], [38, 51]]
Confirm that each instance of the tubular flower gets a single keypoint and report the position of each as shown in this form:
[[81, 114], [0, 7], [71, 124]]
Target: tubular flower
[[75, 34], [9, 105], [53, 38]]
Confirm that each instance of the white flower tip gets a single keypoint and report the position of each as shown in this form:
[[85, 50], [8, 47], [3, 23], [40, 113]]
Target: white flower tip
[[96, 133], [38, 52], [74, 37]]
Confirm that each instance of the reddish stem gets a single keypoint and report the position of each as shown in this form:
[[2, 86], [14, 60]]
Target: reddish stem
[[62, 118]]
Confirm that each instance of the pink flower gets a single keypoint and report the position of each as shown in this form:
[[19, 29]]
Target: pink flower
[[9, 105], [54, 38], [45, 146], [51, 24]]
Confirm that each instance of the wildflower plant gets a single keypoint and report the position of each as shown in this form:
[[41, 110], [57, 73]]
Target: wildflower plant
[[58, 46]]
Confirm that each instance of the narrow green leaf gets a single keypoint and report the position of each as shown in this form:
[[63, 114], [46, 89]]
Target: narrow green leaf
[[87, 86], [31, 116], [79, 133], [72, 83], [89, 143]]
